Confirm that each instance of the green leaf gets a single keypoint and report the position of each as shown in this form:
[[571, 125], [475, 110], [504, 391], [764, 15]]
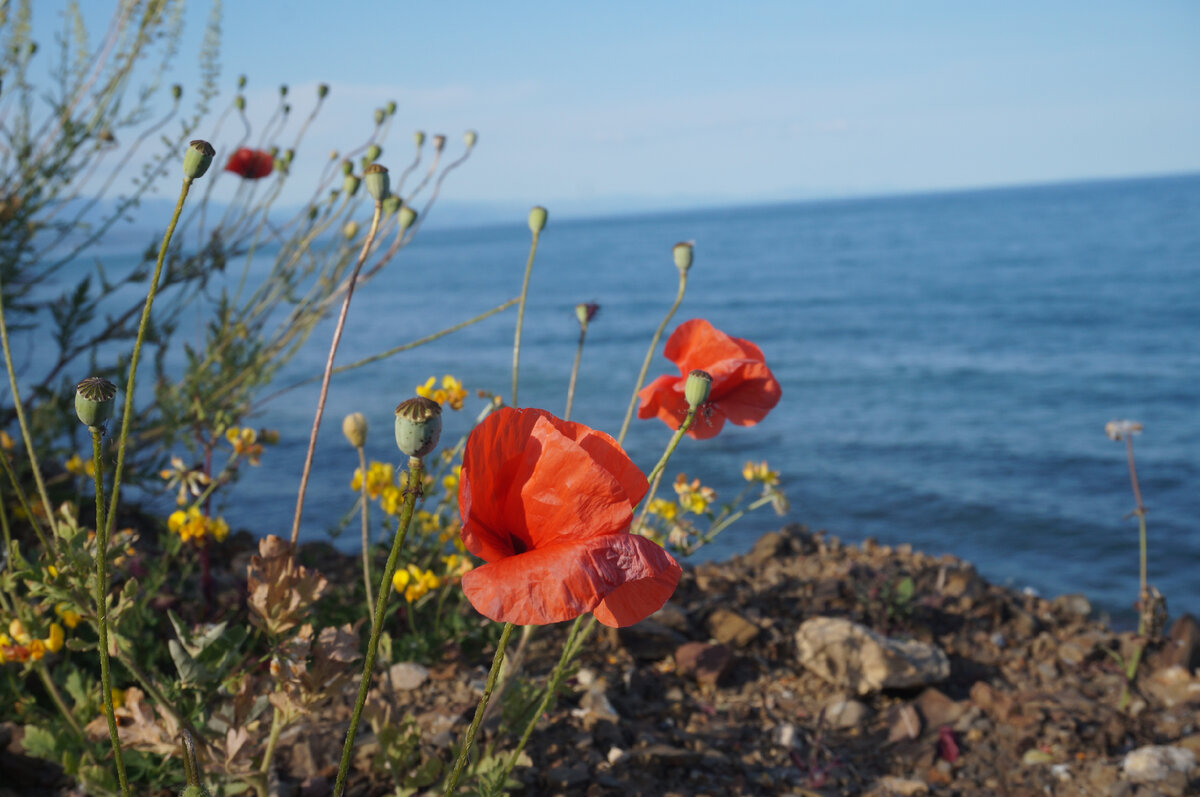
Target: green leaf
[[40, 743]]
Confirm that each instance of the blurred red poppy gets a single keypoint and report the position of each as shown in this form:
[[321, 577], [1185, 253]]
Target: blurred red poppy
[[743, 388], [251, 164], [547, 504]]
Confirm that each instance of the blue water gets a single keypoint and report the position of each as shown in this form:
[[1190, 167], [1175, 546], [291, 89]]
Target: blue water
[[948, 364]]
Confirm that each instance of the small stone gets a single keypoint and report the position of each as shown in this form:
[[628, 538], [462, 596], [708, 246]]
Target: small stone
[[614, 755], [852, 656], [671, 616], [768, 547], [1173, 686], [1157, 762], [650, 640], [705, 662], [1182, 648], [901, 787], [1071, 607], [784, 735], [846, 714], [1034, 757], [1024, 623], [567, 777], [407, 675], [937, 709], [727, 627], [903, 723]]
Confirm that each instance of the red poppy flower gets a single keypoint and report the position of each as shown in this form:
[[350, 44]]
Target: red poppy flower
[[743, 388], [251, 164], [547, 504]]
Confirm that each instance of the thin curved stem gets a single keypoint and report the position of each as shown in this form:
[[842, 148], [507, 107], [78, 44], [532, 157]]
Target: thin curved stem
[[57, 698], [102, 611], [366, 542], [521, 315], [416, 471], [650, 354], [469, 740], [23, 502], [656, 474], [127, 412], [333, 347], [272, 741], [574, 373]]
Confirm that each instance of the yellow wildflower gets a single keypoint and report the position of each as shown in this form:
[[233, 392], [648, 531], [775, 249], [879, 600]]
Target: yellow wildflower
[[692, 497], [218, 528], [189, 480], [663, 508], [457, 566], [245, 443], [52, 570], [37, 649], [760, 472], [54, 642], [16, 630], [450, 480], [76, 466], [379, 476], [70, 618], [391, 500], [118, 697], [6, 442], [427, 522], [193, 525], [451, 392], [415, 582]]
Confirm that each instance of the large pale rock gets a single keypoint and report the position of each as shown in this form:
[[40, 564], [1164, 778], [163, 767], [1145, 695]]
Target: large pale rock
[[1157, 762], [854, 657]]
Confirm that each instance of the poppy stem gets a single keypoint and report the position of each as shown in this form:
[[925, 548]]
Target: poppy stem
[[656, 474], [650, 355], [333, 347], [416, 472], [521, 313], [1140, 511], [366, 542], [102, 611], [489, 685], [574, 374]]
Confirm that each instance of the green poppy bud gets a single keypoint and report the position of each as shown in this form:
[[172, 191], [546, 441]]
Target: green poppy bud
[[391, 205], [322, 91], [287, 108], [312, 213], [439, 143], [288, 154], [390, 108], [585, 313], [683, 255], [408, 217], [94, 401], [350, 230], [537, 219], [350, 185], [354, 426], [697, 387], [241, 82], [239, 102], [379, 116], [376, 178], [273, 151], [419, 137], [197, 158], [347, 167], [470, 137], [283, 90], [176, 91], [418, 426], [373, 153]]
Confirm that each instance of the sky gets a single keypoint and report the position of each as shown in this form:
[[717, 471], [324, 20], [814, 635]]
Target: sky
[[635, 105]]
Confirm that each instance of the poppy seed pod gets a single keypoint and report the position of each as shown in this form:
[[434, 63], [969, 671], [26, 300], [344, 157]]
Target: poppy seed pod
[[241, 82], [537, 219], [347, 166], [469, 138], [350, 185], [376, 178], [176, 91], [379, 116], [197, 158], [419, 138], [697, 387], [391, 204], [354, 426], [322, 90], [350, 230], [390, 108], [283, 90], [239, 102], [94, 401], [418, 426], [408, 217], [683, 255], [373, 153], [439, 142]]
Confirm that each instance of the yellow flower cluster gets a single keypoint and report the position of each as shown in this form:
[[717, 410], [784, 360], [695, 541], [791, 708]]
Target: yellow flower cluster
[[69, 617], [450, 480], [6, 442], [451, 392], [189, 480], [667, 510], [457, 566], [77, 466], [692, 497], [246, 444], [380, 476], [760, 472], [414, 582], [18, 645], [192, 525]]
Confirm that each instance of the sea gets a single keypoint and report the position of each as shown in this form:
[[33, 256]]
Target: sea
[[948, 364]]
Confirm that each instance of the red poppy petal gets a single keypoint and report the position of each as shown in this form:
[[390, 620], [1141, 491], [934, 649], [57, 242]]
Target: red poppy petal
[[748, 394], [665, 392], [561, 582], [697, 344], [637, 599]]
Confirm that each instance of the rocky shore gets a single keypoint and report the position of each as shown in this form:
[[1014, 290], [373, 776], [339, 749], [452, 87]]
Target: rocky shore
[[809, 667]]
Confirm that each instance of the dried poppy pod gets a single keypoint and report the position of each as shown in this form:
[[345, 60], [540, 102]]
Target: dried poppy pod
[[439, 142], [697, 387], [94, 401], [418, 426], [683, 255], [197, 158], [354, 426], [469, 138], [537, 218], [376, 178]]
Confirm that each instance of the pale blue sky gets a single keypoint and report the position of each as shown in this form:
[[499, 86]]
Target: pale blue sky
[[714, 103]]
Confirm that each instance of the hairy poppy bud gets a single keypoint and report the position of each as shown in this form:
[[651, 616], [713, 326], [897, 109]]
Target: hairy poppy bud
[[470, 137], [419, 137], [283, 90], [391, 204], [288, 154], [347, 167], [197, 158], [239, 102], [241, 82], [350, 185], [350, 230], [408, 217], [94, 400], [418, 426], [379, 116], [376, 178], [439, 143], [586, 312], [683, 255], [373, 153], [322, 90], [537, 219], [697, 388], [390, 108], [354, 426], [176, 91]]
